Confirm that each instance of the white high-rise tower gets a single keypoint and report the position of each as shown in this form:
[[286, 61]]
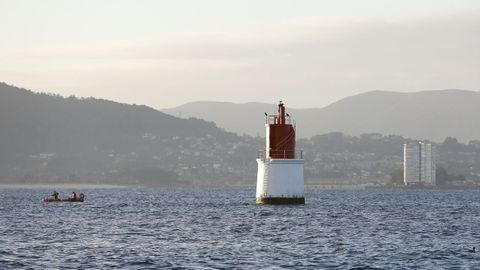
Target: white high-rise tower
[[419, 164]]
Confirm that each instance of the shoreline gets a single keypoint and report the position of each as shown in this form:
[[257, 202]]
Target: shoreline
[[307, 186]]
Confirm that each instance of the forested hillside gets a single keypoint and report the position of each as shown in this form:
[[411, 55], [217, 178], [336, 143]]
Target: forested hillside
[[47, 138]]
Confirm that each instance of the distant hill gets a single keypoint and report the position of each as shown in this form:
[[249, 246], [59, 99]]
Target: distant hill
[[45, 136], [432, 115]]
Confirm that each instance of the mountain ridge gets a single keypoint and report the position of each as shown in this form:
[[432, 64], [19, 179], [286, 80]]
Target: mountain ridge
[[53, 137], [420, 115]]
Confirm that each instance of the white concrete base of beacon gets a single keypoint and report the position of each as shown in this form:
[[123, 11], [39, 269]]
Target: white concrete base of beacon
[[280, 181]]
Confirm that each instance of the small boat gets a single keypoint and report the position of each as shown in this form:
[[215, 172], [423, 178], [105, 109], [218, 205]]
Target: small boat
[[80, 198]]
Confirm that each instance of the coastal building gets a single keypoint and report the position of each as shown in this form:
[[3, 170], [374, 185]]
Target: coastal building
[[419, 164], [280, 166]]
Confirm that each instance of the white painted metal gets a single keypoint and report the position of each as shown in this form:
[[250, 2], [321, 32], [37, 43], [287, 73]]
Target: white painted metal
[[280, 178]]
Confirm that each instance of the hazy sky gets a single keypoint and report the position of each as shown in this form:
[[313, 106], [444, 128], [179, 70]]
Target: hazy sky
[[307, 53]]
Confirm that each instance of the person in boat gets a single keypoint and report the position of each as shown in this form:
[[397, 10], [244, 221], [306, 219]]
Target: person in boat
[[55, 195], [74, 196]]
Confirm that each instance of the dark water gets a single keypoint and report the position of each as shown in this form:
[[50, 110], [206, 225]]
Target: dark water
[[223, 228]]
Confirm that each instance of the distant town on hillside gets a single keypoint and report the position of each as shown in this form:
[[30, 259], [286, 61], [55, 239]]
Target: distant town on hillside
[[47, 138]]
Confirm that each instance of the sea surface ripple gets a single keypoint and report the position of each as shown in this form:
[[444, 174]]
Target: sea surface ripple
[[223, 229]]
